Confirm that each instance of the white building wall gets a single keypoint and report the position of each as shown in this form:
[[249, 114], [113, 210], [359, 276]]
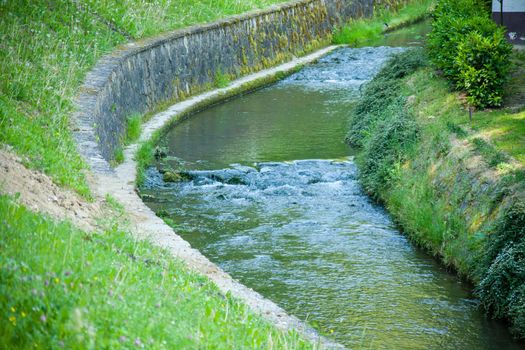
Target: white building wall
[[509, 6]]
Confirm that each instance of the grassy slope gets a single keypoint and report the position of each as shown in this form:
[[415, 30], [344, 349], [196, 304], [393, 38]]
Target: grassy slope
[[363, 32], [46, 48], [506, 128], [451, 206], [63, 288], [448, 212], [503, 128], [498, 136], [457, 188], [436, 183]]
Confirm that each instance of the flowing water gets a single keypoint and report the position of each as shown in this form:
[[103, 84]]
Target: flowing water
[[273, 199]]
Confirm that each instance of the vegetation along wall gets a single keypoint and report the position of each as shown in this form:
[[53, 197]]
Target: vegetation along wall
[[140, 76]]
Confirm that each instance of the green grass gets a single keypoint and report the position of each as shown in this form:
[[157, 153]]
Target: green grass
[[506, 130], [491, 155], [46, 48], [144, 157], [118, 157], [362, 32], [140, 18], [64, 288], [133, 130], [503, 128], [221, 79]]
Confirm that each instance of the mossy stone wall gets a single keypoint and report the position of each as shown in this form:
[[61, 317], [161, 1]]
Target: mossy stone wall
[[140, 76], [389, 4]]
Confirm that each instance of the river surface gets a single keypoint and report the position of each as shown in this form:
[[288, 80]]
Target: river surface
[[274, 200]]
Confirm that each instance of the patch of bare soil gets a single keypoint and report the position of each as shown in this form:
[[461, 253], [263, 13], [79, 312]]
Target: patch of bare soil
[[37, 192]]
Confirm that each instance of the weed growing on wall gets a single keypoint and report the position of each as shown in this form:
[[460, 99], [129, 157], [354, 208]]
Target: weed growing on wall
[[221, 80], [133, 128]]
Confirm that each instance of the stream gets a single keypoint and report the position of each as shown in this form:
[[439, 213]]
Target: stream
[[273, 199]]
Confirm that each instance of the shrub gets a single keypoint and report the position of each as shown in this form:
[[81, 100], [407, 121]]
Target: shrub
[[389, 145], [517, 310], [510, 227], [502, 288], [483, 64], [446, 35], [470, 50], [381, 93], [505, 274], [378, 95], [403, 64]]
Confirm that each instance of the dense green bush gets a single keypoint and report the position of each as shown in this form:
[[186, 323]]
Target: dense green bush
[[483, 64], [378, 95], [381, 123], [470, 50], [446, 35], [387, 147], [510, 227], [502, 288], [517, 310], [382, 92], [403, 64]]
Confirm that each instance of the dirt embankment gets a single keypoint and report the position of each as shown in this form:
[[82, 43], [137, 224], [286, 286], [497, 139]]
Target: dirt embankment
[[38, 192]]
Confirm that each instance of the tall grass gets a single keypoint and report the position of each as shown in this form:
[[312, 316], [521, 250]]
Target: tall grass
[[45, 51], [64, 288], [142, 18]]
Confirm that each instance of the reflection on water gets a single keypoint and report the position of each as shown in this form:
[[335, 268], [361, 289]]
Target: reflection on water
[[265, 204]]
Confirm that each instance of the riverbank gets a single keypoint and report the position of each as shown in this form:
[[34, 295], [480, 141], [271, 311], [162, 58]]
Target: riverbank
[[455, 186], [62, 281]]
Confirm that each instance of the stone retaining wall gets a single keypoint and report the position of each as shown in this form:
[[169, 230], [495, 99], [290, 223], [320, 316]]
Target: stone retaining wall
[[140, 76], [389, 4]]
